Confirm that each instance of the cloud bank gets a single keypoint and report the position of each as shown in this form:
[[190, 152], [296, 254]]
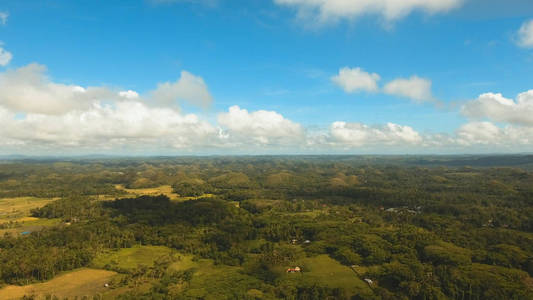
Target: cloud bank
[[38, 115], [357, 134]]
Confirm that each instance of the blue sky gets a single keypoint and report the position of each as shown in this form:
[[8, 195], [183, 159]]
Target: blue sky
[[274, 58]]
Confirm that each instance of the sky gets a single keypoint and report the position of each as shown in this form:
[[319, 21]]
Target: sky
[[200, 77]]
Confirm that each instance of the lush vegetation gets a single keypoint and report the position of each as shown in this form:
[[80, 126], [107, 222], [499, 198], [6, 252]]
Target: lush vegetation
[[356, 227]]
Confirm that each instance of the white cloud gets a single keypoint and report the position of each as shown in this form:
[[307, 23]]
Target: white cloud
[[129, 94], [498, 108], [356, 79], [3, 17], [188, 88], [325, 11], [128, 123], [28, 90], [5, 57], [39, 115], [357, 134], [473, 137], [478, 133], [415, 88], [261, 127], [525, 35], [488, 134]]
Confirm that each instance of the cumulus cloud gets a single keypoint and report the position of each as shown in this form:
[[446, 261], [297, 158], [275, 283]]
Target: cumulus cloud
[[352, 80], [498, 108], [357, 134], [127, 123], [470, 137], [188, 88], [262, 127], [37, 113], [525, 35], [488, 134], [325, 11], [356, 79], [28, 90], [415, 88], [478, 133], [3, 17], [5, 57]]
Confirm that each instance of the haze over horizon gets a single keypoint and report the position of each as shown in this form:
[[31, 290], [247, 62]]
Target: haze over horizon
[[195, 77]]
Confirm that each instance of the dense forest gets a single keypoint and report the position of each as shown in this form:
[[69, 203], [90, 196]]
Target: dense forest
[[305, 227]]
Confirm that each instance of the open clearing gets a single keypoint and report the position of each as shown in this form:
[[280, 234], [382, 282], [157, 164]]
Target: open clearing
[[28, 225], [161, 190], [130, 258], [219, 282], [184, 262], [324, 270], [15, 215], [81, 282]]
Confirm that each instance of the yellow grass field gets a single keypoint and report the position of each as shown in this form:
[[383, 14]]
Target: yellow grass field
[[161, 190], [13, 209], [81, 282], [18, 210], [164, 189]]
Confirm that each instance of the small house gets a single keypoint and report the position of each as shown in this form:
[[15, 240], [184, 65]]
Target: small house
[[294, 270]]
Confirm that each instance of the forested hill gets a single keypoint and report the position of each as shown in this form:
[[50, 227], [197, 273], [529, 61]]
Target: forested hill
[[312, 227]]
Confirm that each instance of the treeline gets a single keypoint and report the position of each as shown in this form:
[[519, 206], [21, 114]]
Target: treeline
[[41, 255]]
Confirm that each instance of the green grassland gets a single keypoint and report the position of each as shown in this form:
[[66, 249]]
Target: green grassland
[[28, 225], [219, 282], [128, 259], [209, 281], [184, 262], [326, 271]]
